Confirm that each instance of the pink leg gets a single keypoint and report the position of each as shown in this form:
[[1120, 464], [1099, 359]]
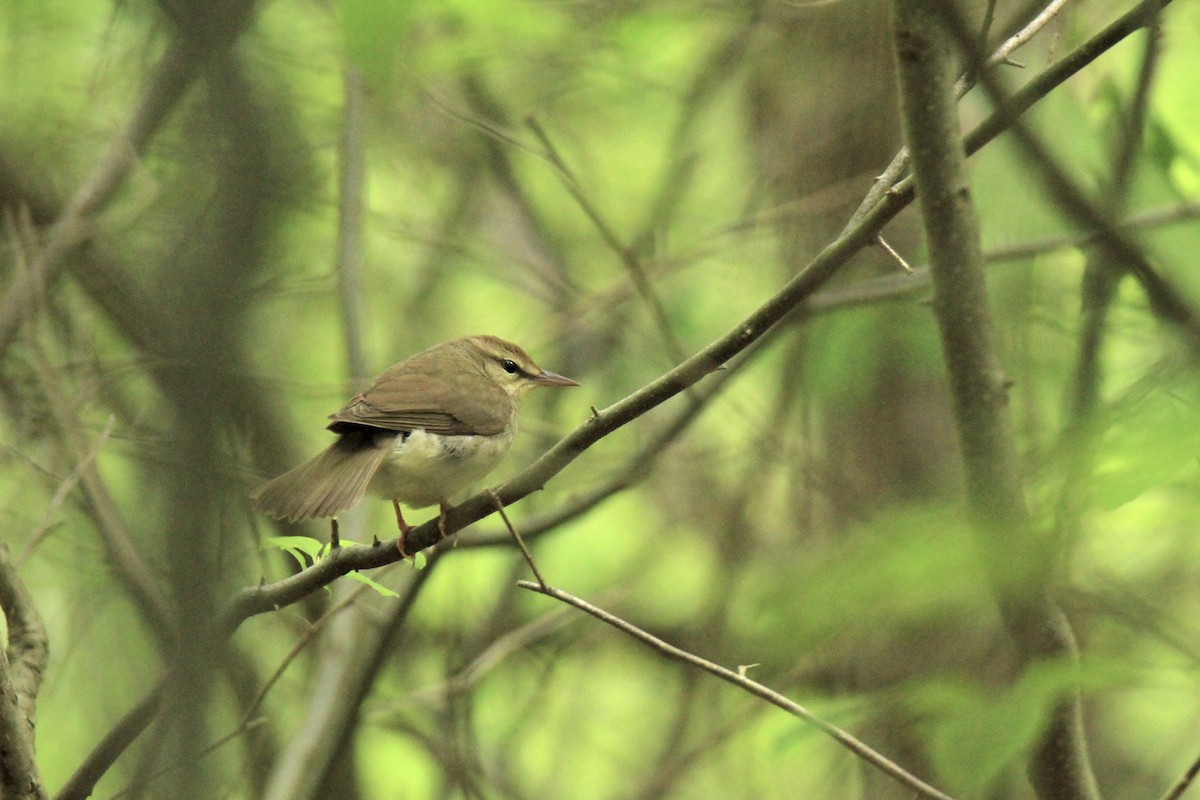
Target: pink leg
[[443, 507], [404, 529]]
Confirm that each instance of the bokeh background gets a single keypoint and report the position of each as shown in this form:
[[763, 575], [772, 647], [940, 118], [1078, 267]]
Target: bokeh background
[[220, 218]]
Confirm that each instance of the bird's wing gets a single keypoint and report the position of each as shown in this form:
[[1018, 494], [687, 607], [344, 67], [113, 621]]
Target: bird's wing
[[403, 400]]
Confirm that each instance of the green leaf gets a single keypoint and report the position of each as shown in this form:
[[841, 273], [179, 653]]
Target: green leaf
[[379, 587], [304, 549]]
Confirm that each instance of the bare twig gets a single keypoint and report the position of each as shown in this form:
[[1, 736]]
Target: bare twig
[[517, 538], [1185, 780], [1003, 53], [854, 745], [891, 251]]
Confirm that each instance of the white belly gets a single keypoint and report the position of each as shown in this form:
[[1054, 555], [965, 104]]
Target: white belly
[[424, 468]]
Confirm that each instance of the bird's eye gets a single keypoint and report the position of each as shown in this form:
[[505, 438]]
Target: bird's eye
[[510, 366]]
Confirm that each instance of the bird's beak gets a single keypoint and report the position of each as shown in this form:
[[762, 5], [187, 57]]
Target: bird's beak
[[551, 379]]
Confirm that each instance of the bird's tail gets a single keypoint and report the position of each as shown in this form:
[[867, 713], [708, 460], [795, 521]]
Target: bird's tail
[[330, 482]]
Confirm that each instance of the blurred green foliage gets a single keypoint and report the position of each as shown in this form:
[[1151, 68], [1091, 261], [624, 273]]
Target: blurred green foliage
[[809, 522]]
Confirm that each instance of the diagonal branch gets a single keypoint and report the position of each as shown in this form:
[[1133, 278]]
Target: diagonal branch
[[845, 739], [1185, 780], [1166, 302], [83, 780], [261, 599], [1020, 101]]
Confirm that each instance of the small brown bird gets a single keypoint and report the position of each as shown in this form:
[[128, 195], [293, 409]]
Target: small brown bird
[[426, 429]]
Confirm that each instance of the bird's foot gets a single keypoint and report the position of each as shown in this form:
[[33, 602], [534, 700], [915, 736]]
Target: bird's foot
[[404, 529]]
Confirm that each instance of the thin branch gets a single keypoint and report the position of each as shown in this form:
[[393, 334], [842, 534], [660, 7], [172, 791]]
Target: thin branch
[[83, 781], [891, 251], [755, 688], [517, 538], [1003, 53], [1185, 780]]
